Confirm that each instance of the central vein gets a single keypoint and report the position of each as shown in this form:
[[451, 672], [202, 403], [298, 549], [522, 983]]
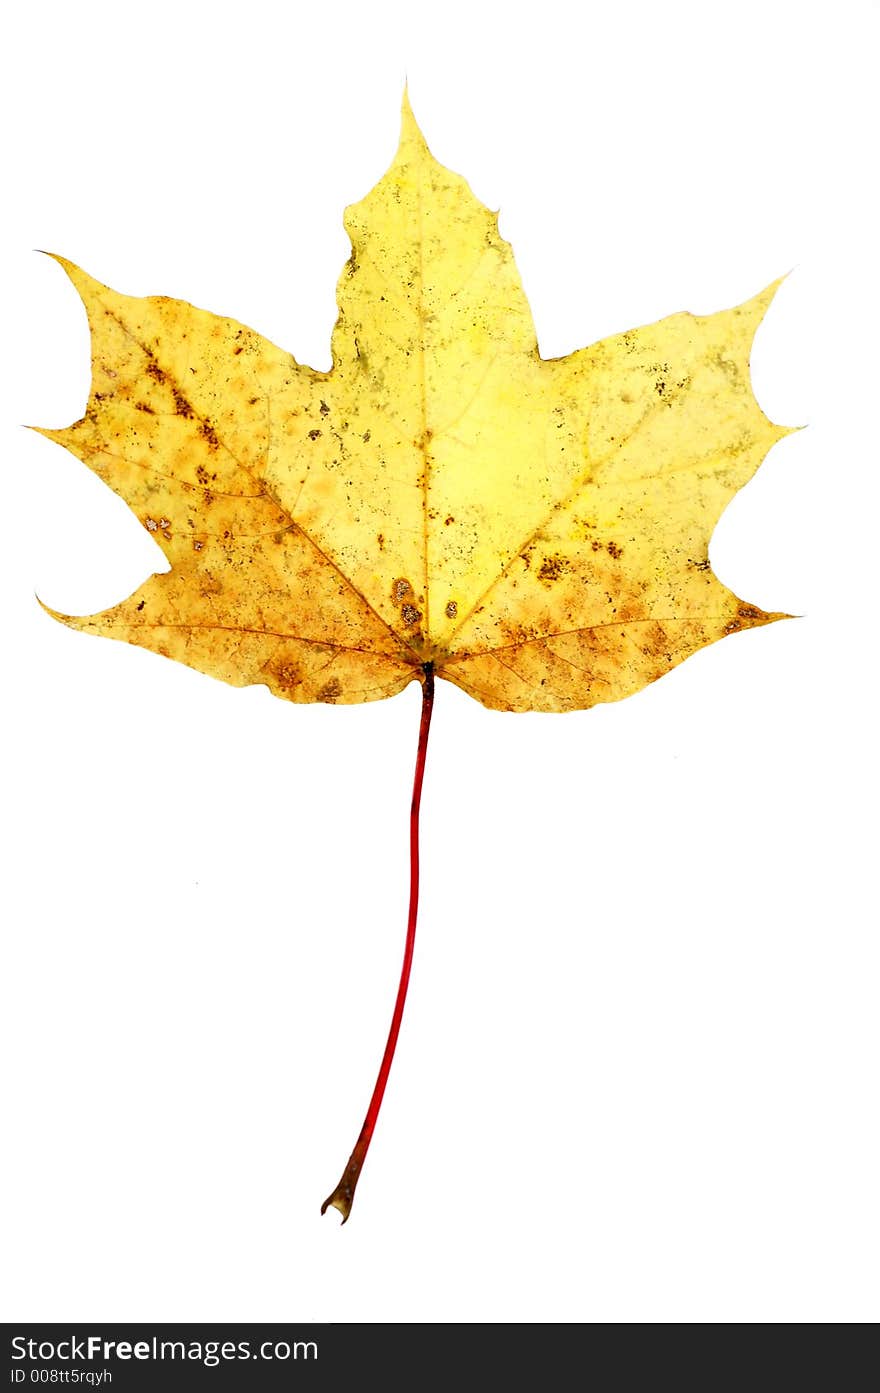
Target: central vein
[[424, 439]]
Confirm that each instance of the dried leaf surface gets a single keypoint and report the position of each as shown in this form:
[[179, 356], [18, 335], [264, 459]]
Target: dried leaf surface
[[536, 529]]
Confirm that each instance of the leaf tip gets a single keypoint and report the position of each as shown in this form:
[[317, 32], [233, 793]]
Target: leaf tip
[[411, 137], [772, 617], [759, 304], [54, 613], [63, 262], [85, 285], [81, 622], [50, 434]]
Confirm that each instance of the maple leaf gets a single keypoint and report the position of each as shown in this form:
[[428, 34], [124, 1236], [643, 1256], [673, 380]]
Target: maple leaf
[[443, 502]]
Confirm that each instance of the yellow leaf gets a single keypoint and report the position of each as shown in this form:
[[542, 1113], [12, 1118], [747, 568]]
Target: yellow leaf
[[535, 530]]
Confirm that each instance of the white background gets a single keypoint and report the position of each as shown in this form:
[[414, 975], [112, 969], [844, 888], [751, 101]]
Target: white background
[[637, 1077]]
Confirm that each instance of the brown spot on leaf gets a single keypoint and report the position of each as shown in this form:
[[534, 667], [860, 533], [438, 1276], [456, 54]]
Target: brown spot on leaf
[[655, 640], [745, 617], [410, 615], [451, 610], [515, 633], [551, 568], [400, 589], [182, 406], [331, 691], [287, 675], [314, 435]]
